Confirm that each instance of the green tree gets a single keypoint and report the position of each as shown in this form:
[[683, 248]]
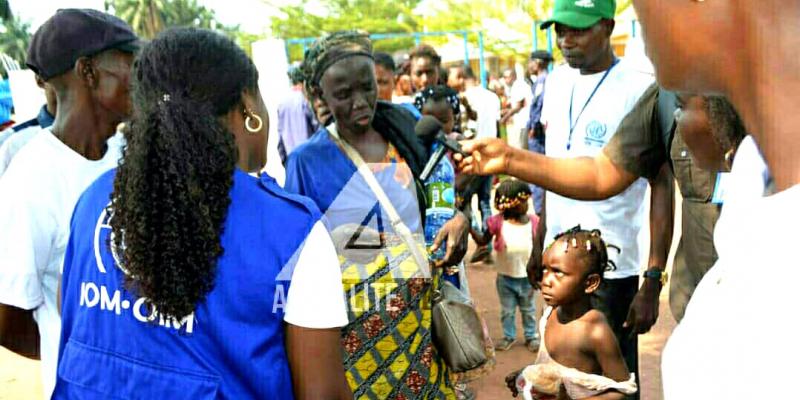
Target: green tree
[[189, 13], [5, 10], [14, 38], [149, 17], [146, 17], [373, 16], [508, 25]]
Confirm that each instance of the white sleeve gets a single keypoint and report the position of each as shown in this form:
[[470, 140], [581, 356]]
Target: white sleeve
[[316, 298], [25, 242], [5, 156], [496, 107], [544, 117], [519, 92]]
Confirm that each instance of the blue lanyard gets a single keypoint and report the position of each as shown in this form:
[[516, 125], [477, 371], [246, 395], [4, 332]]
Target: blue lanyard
[[573, 125]]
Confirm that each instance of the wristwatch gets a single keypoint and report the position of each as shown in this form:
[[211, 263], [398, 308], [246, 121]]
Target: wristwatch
[[654, 273]]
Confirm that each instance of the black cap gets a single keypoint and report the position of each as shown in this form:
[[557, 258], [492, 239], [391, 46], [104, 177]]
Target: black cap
[[74, 33], [541, 55]]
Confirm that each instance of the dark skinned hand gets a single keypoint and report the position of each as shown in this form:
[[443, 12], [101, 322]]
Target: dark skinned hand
[[487, 156], [511, 382], [534, 268], [455, 236], [644, 308]]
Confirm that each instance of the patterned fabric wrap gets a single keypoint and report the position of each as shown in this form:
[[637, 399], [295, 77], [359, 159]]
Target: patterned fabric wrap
[[388, 353], [326, 51]]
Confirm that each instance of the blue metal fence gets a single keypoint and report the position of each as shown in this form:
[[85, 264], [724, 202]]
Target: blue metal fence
[[305, 42]]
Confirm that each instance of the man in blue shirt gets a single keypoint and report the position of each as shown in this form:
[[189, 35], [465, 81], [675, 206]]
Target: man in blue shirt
[[538, 67]]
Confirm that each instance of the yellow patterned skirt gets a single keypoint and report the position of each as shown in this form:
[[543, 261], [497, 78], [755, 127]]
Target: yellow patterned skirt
[[388, 352]]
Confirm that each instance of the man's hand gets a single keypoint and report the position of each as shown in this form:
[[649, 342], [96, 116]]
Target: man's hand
[[486, 157], [644, 308], [455, 235], [531, 133]]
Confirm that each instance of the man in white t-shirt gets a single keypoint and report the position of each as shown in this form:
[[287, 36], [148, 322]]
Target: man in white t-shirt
[[516, 118], [85, 55], [722, 297], [487, 105], [584, 103]]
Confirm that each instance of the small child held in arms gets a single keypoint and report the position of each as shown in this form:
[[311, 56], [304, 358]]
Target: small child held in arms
[[513, 231], [442, 103], [579, 357]]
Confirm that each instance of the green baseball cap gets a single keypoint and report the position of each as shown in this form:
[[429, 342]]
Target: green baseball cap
[[581, 14]]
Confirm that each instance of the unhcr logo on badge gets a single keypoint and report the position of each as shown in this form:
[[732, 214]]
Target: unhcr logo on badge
[[595, 134], [585, 3]]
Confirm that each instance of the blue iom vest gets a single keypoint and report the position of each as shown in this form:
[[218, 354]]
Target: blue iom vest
[[116, 346]]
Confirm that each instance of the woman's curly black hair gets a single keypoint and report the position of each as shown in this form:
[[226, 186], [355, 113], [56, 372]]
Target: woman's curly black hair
[[171, 190]]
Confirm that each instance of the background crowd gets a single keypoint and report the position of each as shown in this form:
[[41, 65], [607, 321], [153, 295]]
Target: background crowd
[[137, 221]]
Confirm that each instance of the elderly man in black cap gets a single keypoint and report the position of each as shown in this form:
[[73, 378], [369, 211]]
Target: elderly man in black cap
[[86, 56]]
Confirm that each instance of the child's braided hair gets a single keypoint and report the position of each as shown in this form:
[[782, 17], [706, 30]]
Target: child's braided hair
[[591, 244], [509, 194]]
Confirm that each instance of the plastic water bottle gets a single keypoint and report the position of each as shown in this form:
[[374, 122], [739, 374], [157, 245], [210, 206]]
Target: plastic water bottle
[[440, 188]]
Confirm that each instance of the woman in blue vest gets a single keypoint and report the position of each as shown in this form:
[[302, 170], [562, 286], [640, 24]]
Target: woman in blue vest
[[197, 280]]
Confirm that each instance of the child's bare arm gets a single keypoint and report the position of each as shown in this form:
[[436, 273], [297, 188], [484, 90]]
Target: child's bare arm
[[609, 356]]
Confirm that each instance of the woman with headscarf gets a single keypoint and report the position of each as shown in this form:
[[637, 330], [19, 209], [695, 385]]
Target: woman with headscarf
[[198, 280], [387, 344], [738, 338]]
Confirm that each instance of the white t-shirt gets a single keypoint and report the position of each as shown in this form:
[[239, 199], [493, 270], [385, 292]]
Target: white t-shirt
[[619, 218], [487, 105], [520, 91], [738, 337], [12, 146], [513, 261], [315, 299], [39, 192], [402, 99]]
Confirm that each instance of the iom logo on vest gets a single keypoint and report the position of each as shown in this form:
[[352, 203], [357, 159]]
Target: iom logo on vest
[[595, 134], [107, 297]]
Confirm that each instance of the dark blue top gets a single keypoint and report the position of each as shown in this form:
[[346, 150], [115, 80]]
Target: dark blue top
[[538, 101], [43, 120], [231, 347], [413, 110]]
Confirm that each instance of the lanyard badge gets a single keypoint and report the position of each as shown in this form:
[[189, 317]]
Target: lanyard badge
[[574, 124]]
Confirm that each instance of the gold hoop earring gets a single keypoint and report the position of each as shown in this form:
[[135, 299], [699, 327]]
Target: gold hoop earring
[[729, 158], [259, 123]]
